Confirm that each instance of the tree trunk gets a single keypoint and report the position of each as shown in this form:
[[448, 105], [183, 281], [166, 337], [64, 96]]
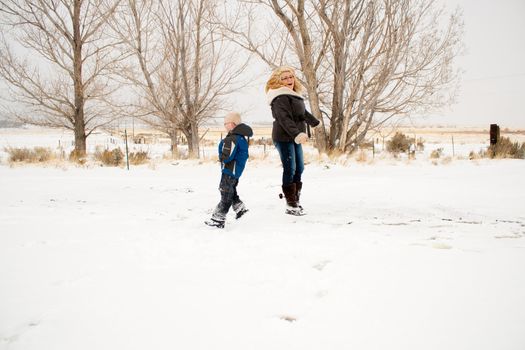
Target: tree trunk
[[174, 134], [320, 131], [80, 127], [337, 100], [80, 140], [313, 97], [193, 141]]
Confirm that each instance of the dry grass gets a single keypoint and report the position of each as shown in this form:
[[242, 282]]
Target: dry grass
[[28, 155], [475, 155], [138, 158], [399, 143], [505, 148], [75, 157], [114, 157], [437, 153]]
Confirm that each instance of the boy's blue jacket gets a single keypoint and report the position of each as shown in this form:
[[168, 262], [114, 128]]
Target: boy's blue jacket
[[233, 150]]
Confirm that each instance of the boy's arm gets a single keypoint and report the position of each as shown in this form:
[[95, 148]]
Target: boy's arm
[[219, 148], [228, 149]]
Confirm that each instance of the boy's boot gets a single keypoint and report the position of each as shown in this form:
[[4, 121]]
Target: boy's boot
[[290, 194], [217, 218], [214, 223], [240, 209]]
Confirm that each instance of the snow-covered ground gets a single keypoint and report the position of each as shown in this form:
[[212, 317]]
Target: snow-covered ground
[[392, 255]]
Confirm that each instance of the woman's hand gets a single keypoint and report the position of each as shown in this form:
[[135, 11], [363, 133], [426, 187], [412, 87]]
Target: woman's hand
[[301, 138]]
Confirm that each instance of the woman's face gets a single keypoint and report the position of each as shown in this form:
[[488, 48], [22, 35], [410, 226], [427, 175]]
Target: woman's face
[[288, 80]]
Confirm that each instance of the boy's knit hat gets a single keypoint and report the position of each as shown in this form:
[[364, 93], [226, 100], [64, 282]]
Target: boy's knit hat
[[232, 117]]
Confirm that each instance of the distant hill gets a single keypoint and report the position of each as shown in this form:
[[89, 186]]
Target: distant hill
[[10, 124]]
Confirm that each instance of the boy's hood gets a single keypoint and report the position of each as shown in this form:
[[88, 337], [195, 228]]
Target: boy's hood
[[243, 130]]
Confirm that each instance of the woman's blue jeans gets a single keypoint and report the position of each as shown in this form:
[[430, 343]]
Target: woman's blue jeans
[[292, 159]]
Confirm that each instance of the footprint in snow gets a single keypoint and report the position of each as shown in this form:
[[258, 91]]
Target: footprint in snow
[[321, 265], [20, 332], [288, 318]]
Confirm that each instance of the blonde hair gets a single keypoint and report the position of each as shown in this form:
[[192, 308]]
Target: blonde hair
[[233, 117], [275, 80]]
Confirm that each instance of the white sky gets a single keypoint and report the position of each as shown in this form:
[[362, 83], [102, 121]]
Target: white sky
[[493, 84]]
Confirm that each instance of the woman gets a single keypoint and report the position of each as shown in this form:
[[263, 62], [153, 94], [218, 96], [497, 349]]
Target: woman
[[290, 116]]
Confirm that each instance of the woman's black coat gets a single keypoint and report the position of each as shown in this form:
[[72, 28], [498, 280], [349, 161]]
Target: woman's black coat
[[290, 115]]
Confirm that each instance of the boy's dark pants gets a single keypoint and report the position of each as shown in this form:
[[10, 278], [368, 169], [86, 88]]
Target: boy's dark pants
[[229, 198]]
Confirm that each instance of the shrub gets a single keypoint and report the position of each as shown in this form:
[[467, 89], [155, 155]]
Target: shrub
[[399, 143], [42, 154], [18, 154], [35, 155], [77, 157], [110, 158], [473, 155], [138, 158], [437, 153], [505, 148]]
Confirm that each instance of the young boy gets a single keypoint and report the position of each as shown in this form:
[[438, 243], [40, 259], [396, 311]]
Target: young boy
[[233, 154]]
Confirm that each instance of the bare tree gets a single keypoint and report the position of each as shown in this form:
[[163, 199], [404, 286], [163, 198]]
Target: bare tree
[[399, 62], [137, 24], [366, 61], [64, 82], [185, 66], [291, 38]]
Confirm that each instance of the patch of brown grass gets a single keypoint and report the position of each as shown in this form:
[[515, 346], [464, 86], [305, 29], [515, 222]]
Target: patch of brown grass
[[138, 158], [114, 157], [505, 148], [28, 155], [399, 143]]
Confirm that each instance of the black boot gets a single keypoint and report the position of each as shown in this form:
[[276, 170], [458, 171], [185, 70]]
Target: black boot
[[218, 218], [240, 213], [240, 209], [214, 223], [290, 194]]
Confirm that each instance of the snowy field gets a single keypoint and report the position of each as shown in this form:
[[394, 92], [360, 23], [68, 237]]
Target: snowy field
[[393, 254]]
